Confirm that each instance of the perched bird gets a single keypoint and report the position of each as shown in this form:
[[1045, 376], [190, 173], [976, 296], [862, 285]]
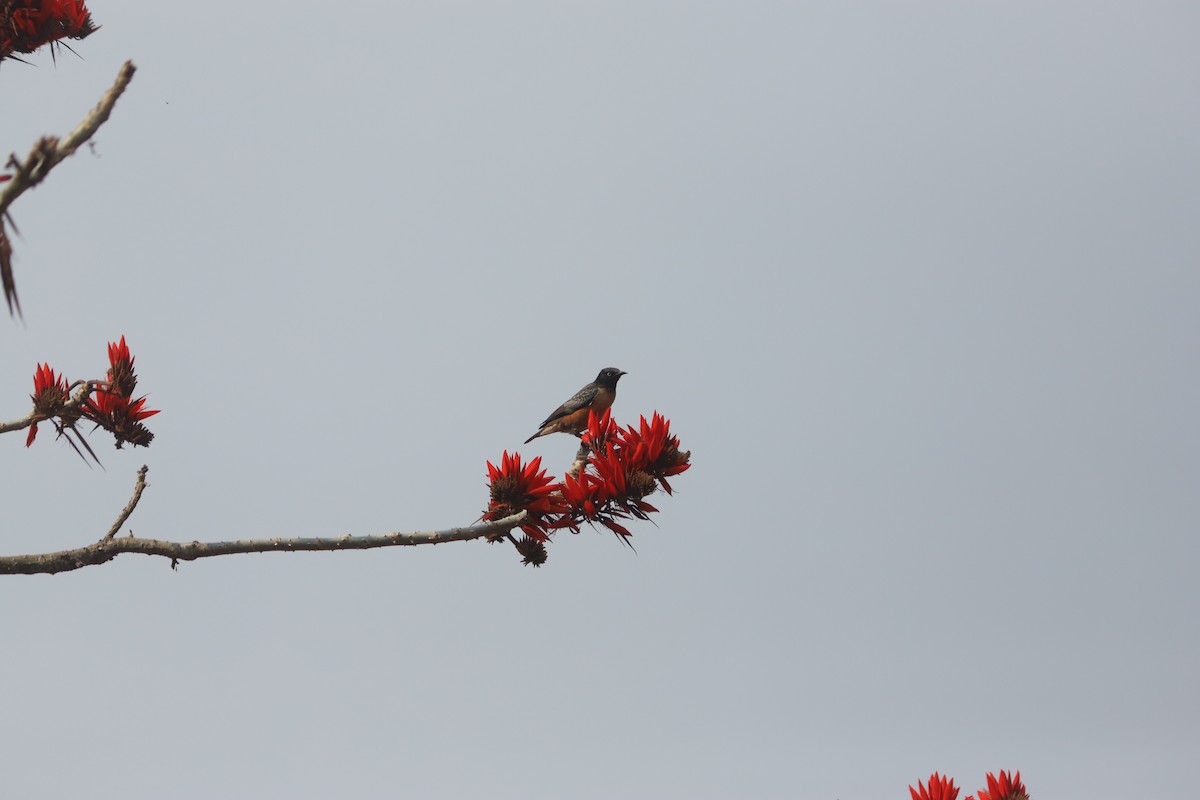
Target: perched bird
[[572, 416]]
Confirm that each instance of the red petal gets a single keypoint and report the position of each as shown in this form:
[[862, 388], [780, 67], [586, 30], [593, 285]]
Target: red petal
[[617, 528]]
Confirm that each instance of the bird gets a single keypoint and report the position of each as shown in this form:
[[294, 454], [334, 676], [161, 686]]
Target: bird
[[572, 416]]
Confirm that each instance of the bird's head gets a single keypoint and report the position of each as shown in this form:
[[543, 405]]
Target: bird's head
[[608, 377]]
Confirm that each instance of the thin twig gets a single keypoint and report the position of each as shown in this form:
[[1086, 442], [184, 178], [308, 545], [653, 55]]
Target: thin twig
[[581, 458], [47, 153], [131, 505]]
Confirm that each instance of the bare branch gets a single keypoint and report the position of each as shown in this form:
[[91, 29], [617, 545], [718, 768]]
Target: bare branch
[[21, 423], [111, 546], [47, 152], [131, 505], [107, 549]]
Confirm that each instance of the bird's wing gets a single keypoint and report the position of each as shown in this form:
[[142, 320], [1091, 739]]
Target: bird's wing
[[579, 400]]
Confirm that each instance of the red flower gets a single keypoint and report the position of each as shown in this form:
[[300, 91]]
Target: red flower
[[586, 498], [621, 469], [590, 499], [49, 396], [1004, 788], [114, 408], [939, 789], [599, 430], [120, 371], [26, 25], [624, 482], [49, 390], [515, 488], [121, 417], [602, 494], [654, 450]]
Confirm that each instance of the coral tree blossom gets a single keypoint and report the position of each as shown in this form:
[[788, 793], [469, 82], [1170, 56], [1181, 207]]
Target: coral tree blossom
[[515, 488], [652, 449], [624, 466], [49, 396], [26, 25], [939, 789], [113, 407], [1005, 787], [619, 467]]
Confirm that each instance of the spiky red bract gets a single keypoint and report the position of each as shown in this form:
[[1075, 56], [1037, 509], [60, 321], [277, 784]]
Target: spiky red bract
[[1005, 787], [653, 450], [939, 789], [586, 497], [49, 389], [26, 25], [118, 353], [121, 417], [599, 430], [114, 408], [121, 376], [49, 396], [109, 404], [515, 487], [620, 471]]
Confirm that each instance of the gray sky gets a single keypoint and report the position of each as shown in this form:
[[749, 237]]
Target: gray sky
[[916, 283]]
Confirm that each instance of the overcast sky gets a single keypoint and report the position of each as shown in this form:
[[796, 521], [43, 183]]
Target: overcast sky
[[916, 283]]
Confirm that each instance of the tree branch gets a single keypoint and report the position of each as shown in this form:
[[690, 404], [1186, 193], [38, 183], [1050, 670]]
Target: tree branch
[[77, 400], [581, 457], [21, 423], [111, 546], [131, 505], [47, 153], [107, 549]]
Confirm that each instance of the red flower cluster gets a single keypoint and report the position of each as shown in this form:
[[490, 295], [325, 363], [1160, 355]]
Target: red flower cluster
[[653, 450], [622, 466], [114, 408], [515, 488], [109, 404], [1005, 787], [1002, 788], [26, 25], [49, 396], [939, 789]]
